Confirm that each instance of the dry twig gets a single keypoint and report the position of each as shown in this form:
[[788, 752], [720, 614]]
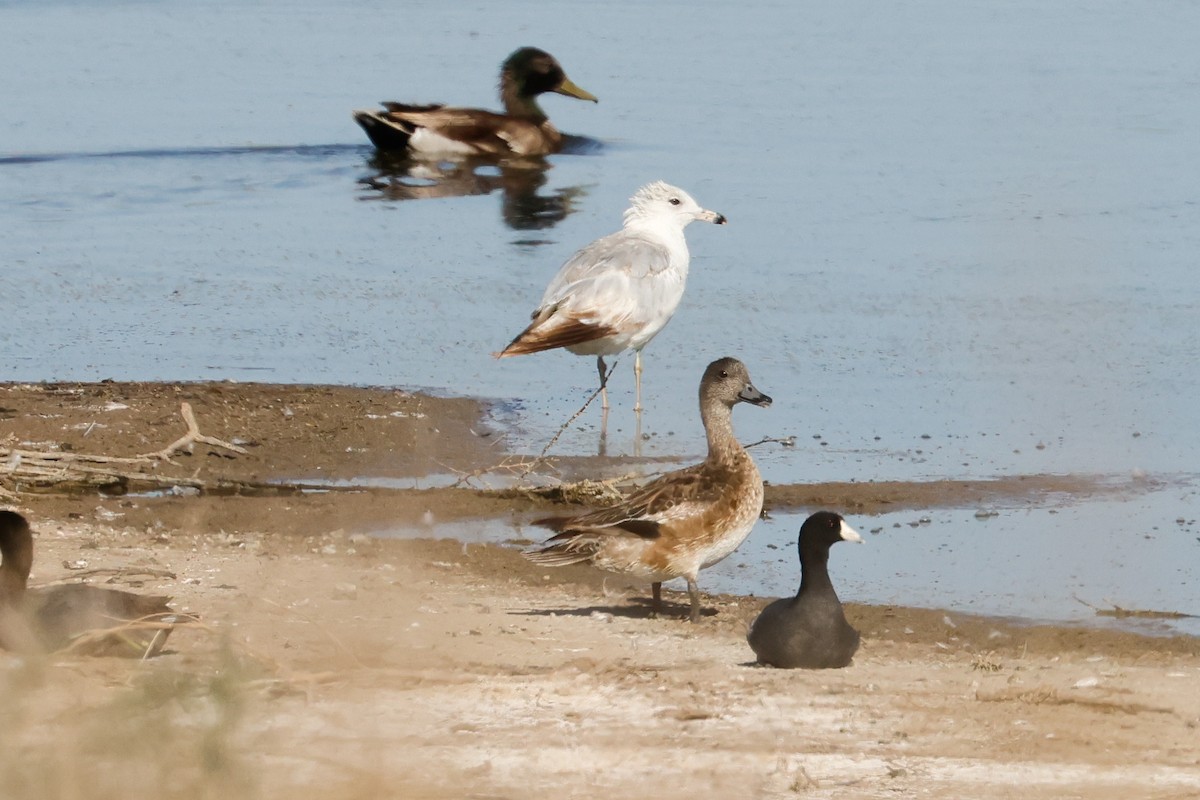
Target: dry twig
[[562, 429], [518, 466], [785, 441]]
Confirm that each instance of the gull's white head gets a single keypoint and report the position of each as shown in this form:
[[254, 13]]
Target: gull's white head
[[661, 202]]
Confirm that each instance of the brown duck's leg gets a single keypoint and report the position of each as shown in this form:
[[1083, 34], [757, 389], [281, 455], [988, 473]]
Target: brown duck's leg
[[603, 382], [694, 593], [656, 606]]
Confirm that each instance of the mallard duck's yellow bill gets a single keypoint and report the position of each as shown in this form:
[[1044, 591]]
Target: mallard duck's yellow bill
[[571, 90]]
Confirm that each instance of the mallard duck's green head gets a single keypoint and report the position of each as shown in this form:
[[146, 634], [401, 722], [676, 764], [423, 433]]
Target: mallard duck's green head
[[529, 72]]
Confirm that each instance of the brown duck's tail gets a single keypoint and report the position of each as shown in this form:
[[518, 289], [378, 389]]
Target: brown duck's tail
[[560, 554], [568, 547]]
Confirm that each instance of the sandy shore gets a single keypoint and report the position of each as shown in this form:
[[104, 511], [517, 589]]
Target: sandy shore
[[334, 664]]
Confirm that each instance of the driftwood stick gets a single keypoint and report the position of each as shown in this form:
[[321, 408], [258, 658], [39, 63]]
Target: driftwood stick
[[79, 473], [41, 468], [192, 436], [68, 458]]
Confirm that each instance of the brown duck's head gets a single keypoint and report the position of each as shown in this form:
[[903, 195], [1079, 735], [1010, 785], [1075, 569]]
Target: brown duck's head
[[728, 381], [16, 548], [529, 72]]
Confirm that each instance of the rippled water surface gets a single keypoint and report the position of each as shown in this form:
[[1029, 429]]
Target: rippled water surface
[[963, 239]]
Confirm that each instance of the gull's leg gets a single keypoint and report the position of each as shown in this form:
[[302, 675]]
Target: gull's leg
[[603, 383], [656, 606], [637, 377]]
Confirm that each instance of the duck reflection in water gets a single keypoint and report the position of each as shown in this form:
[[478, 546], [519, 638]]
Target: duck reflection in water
[[520, 181]]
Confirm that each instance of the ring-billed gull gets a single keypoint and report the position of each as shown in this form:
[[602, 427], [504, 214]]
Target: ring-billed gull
[[617, 293], [685, 520], [810, 629], [523, 129]]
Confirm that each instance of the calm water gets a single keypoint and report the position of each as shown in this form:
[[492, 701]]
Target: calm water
[[1057, 562], [963, 240]]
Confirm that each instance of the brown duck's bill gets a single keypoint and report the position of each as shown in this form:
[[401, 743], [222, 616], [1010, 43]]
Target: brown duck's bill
[[754, 396], [569, 88]]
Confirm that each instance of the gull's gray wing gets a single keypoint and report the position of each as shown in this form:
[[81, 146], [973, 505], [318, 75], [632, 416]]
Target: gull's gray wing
[[624, 256]]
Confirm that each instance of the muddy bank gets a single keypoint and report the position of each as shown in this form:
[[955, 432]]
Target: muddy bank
[[343, 666], [354, 438], [334, 663], [385, 441]]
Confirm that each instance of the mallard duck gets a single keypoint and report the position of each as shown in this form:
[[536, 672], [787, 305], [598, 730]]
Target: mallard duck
[[523, 130], [54, 617], [617, 293], [685, 520], [809, 630]]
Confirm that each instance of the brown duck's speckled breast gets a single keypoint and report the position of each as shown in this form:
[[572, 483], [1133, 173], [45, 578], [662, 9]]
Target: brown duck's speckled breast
[[737, 504]]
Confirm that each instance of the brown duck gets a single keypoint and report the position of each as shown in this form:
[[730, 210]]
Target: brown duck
[[52, 618], [523, 130], [684, 521]]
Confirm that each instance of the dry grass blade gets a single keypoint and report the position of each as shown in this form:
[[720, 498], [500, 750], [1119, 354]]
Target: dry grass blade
[[145, 635], [1123, 613], [112, 572], [1046, 696], [584, 492]]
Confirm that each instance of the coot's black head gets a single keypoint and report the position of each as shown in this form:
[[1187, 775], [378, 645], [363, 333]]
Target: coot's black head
[[824, 529]]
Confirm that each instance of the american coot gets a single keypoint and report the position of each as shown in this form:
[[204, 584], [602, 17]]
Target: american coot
[[684, 521], [523, 130], [51, 618], [810, 629], [617, 293]]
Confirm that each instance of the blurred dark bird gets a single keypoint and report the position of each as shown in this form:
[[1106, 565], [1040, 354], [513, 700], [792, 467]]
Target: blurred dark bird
[[95, 619]]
